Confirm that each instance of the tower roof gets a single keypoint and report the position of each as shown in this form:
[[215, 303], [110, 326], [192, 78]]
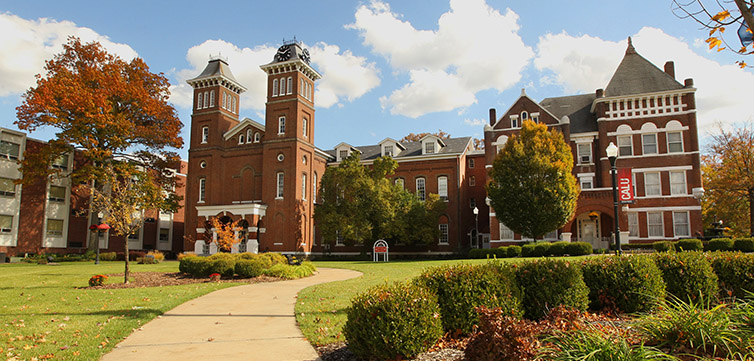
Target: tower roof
[[217, 69], [637, 75], [291, 55]]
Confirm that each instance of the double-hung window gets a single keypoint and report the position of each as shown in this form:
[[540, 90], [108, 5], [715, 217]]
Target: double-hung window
[[585, 153], [54, 227], [9, 150], [57, 194], [633, 224], [675, 142], [625, 146], [681, 224], [7, 187], [655, 227], [281, 181], [442, 187], [281, 125], [420, 188], [505, 232], [202, 189], [443, 233], [678, 182], [649, 143], [652, 184]]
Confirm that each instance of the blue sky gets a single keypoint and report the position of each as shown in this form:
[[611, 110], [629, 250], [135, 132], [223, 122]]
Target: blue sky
[[389, 67]]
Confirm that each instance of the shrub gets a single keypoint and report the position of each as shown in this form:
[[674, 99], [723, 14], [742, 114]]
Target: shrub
[[157, 255], [108, 256], [681, 325], [720, 244], [147, 260], [500, 252], [222, 263], [663, 246], [628, 283], [462, 287], [579, 248], [735, 273], [541, 249], [687, 275], [475, 253], [275, 258], [689, 244], [744, 244], [528, 249], [597, 344], [502, 337], [514, 251], [558, 248], [247, 255], [195, 266], [249, 268], [549, 283], [183, 255], [392, 321], [97, 280], [290, 272]]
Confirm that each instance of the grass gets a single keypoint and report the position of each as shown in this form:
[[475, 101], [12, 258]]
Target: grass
[[47, 314], [321, 309]]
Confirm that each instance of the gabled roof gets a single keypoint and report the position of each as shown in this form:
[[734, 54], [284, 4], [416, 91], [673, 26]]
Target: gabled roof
[[442, 143], [240, 126], [523, 95], [413, 149], [344, 144], [576, 107], [391, 140], [636, 75]]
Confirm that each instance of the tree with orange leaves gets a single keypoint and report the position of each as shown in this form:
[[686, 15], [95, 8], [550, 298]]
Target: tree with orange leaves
[[226, 233], [114, 116]]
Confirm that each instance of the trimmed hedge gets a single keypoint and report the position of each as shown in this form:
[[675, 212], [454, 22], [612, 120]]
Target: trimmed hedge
[[514, 251], [527, 250], [290, 272], [662, 246], [689, 244], [462, 287], [735, 273], [720, 244], [558, 248], [744, 244], [541, 249], [578, 248], [195, 266], [393, 321], [548, 283], [225, 264], [222, 263], [628, 283], [687, 276], [249, 268]]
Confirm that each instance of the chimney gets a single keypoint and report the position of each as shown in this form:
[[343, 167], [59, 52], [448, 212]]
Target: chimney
[[688, 83], [493, 116], [670, 69], [600, 93]]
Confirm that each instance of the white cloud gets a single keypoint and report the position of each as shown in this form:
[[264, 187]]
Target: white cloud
[[583, 64], [344, 75], [474, 48], [28, 43], [474, 122]]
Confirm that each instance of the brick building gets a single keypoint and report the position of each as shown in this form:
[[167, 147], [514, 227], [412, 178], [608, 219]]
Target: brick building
[[651, 117], [52, 216]]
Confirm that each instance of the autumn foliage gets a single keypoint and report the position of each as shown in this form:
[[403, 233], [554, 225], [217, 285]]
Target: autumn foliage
[[226, 233]]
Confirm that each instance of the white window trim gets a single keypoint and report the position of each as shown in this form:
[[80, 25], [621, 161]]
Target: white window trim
[[274, 87], [423, 195], [657, 149], [504, 228], [205, 134], [440, 192], [212, 98], [634, 216], [662, 224], [305, 127], [303, 186], [685, 184], [688, 225], [659, 184], [281, 125], [630, 144], [588, 146], [256, 137], [280, 182], [667, 140], [202, 190], [446, 234]]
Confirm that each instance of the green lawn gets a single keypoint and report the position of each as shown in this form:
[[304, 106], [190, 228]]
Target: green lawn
[[320, 310], [45, 314]]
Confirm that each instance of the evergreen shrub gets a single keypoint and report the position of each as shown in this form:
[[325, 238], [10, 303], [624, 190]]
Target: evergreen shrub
[[548, 283], [578, 248], [476, 253], [108, 256], [688, 276], [249, 268], [394, 321], [462, 287], [275, 258], [290, 272], [735, 273], [500, 252], [514, 251], [627, 283], [744, 244], [689, 244], [222, 263], [662, 246], [541, 249], [558, 248], [527, 250], [720, 244], [195, 266]]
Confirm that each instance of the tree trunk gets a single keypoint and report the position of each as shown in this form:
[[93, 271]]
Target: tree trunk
[[746, 12], [751, 212], [125, 273]]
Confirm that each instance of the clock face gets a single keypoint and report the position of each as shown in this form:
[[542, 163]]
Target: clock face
[[305, 55], [284, 53]]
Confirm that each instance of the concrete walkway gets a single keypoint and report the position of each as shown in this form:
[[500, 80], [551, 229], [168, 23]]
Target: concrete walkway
[[251, 322]]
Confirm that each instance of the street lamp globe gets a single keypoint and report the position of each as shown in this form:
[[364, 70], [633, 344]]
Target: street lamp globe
[[476, 211], [612, 150]]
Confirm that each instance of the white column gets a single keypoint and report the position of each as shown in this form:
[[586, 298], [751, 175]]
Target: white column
[[252, 246], [199, 247], [565, 236]]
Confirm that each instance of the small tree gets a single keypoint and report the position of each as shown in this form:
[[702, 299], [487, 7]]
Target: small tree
[[531, 186], [226, 233], [728, 172], [411, 137]]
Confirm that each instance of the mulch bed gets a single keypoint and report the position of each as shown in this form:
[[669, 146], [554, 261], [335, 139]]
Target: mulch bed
[[159, 279]]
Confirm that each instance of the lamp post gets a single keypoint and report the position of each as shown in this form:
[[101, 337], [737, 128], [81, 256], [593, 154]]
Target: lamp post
[[476, 225], [612, 155], [99, 227]]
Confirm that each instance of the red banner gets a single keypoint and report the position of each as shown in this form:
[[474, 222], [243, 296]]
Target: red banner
[[625, 185]]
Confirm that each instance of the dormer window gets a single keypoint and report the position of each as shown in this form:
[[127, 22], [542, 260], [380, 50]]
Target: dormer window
[[388, 151], [429, 148], [281, 125], [343, 154], [535, 117]]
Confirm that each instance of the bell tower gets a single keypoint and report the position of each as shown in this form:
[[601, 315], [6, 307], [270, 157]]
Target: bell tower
[[289, 150]]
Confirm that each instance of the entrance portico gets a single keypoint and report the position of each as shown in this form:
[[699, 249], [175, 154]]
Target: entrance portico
[[249, 215]]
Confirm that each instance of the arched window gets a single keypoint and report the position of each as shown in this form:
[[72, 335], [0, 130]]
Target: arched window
[[211, 98], [256, 137], [241, 139], [233, 107], [290, 85], [281, 125], [275, 87], [205, 134], [301, 87], [524, 116], [399, 182], [304, 127], [314, 188], [303, 186], [199, 101], [206, 99], [224, 99], [421, 188], [248, 135], [282, 86]]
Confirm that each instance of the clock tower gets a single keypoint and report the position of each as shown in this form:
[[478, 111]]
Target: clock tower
[[290, 168]]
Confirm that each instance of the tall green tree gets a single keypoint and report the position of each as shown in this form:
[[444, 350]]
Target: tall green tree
[[532, 188], [728, 174], [361, 205]]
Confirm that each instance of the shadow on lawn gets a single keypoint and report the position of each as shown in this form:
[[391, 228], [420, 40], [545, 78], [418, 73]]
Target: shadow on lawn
[[130, 313]]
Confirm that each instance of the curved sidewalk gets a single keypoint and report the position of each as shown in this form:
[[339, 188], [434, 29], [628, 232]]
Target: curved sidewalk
[[252, 322]]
